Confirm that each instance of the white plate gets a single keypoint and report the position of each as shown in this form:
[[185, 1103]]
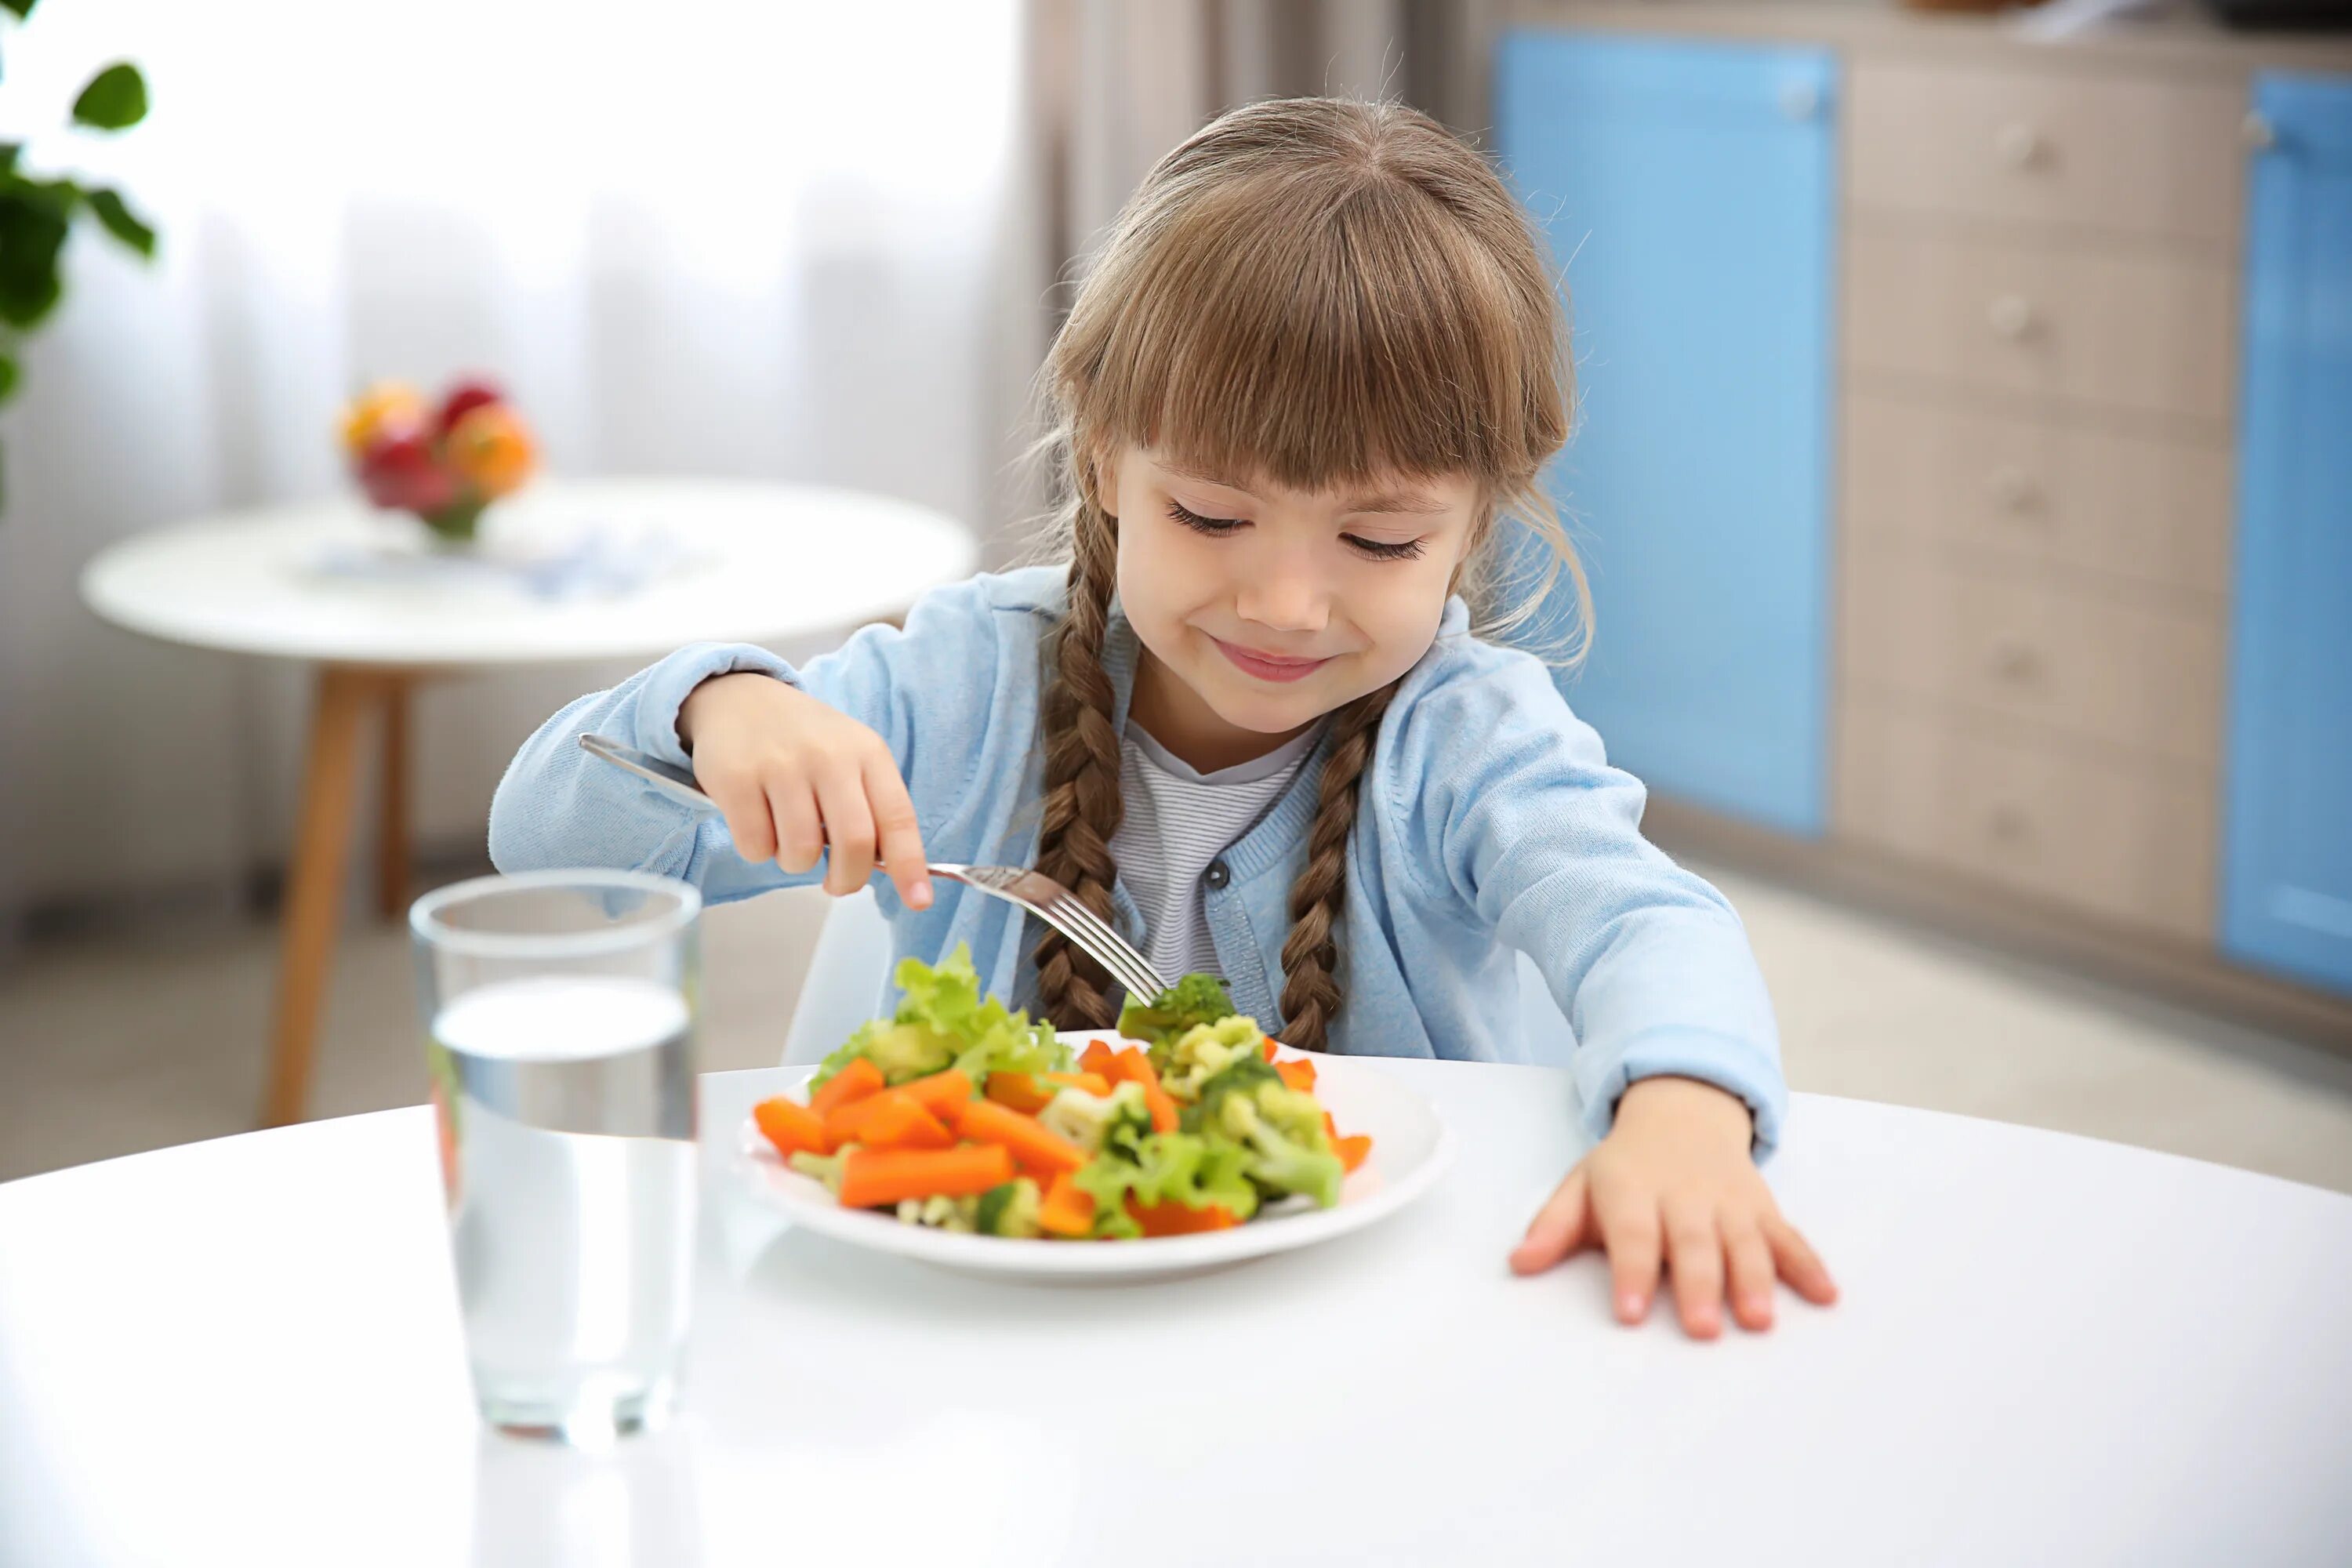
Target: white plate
[[1410, 1149]]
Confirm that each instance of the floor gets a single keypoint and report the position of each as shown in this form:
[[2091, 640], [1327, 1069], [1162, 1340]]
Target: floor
[[113, 1048]]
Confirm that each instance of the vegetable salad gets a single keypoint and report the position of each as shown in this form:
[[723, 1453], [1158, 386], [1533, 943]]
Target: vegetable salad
[[960, 1114]]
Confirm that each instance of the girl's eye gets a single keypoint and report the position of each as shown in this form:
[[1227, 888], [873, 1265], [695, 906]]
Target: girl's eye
[[1214, 527], [1383, 549]]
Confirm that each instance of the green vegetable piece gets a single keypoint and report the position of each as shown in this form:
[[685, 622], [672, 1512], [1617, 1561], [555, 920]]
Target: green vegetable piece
[[1206, 1049], [1008, 1209], [825, 1168], [1192, 1000], [942, 1020]]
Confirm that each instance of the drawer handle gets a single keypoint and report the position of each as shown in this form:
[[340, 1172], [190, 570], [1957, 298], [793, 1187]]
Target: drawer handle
[[2019, 145], [2009, 823], [2013, 491], [2012, 316], [2015, 661]]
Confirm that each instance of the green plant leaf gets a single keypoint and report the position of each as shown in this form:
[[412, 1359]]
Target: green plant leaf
[[115, 99], [22, 8], [7, 376], [121, 222], [32, 231], [8, 150]]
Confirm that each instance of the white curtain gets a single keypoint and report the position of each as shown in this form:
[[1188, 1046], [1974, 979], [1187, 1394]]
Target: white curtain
[[783, 239]]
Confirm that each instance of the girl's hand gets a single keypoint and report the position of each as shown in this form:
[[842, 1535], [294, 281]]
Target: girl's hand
[[1673, 1184], [795, 777]]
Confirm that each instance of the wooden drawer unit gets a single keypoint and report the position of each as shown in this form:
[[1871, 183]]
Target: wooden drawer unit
[[2140, 676], [2148, 157], [2131, 328], [2138, 508], [2130, 842]]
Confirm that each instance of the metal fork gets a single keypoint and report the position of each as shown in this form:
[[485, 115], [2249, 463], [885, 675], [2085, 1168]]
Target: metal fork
[[1032, 891]]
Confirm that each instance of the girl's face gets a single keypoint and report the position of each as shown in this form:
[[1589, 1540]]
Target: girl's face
[[1261, 609]]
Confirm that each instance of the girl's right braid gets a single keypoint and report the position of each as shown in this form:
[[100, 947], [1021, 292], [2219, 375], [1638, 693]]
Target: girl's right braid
[[1083, 804]]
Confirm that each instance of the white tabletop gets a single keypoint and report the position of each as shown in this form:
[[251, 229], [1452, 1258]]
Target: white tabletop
[[755, 563], [2050, 1351]]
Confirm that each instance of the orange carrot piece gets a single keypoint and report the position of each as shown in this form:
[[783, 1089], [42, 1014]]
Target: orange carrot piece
[[1037, 1147], [1269, 1048], [890, 1120], [1066, 1211], [1173, 1218], [1352, 1151], [1131, 1065], [871, 1178], [1019, 1091], [1299, 1074], [792, 1126], [856, 1081], [1095, 1057], [1092, 1082], [939, 1090], [1330, 1128]]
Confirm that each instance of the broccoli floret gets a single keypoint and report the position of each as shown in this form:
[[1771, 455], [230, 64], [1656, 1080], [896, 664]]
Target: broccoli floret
[[1196, 999], [940, 1213], [1090, 1120], [1206, 1049], [1008, 1208], [1243, 1074], [942, 1020], [1281, 1128]]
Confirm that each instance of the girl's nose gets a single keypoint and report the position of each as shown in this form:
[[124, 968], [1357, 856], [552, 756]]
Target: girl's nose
[[1285, 601]]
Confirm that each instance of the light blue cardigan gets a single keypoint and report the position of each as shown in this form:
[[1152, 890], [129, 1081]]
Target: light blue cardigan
[[1489, 821]]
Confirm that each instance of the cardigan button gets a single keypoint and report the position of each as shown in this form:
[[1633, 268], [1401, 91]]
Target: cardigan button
[[1217, 875]]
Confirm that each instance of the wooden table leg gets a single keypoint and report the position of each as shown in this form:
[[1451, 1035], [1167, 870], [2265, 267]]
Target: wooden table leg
[[314, 887], [391, 824]]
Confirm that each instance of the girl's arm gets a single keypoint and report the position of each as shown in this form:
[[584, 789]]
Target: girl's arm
[[559, 806], [1542, 839]]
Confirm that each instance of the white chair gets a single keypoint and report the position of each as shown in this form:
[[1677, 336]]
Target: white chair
[[853, 956]]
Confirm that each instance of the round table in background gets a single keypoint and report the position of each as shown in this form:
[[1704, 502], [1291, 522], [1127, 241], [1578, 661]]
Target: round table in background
[[754, 562], [2050, 1351]]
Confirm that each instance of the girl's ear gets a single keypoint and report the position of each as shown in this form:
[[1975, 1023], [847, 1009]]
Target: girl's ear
[[1101, 479]]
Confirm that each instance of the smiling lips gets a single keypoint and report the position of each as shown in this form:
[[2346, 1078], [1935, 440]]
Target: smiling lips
[[1268, 665]]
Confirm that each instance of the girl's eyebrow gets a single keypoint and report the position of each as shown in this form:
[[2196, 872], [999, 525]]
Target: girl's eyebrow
[[1377, 501]]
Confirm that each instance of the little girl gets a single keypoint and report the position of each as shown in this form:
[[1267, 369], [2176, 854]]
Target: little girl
[[1249, 721]]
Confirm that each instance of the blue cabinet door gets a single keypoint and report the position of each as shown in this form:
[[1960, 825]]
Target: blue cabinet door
[[1688, 193], [2287, 901]]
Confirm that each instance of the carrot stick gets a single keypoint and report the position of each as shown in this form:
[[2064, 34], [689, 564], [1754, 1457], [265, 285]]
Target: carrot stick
[[1269, 1048], [1095, 1057], [1092, 1082], [1019, 1091], [1039, 1148], [1173, 1218], [890, 1120], [1131, 1065], [792, 1126], [856, 1081], [939, 1090], [1298, 1074], [873, 1177], [1352, 1151], [1066, 1211]]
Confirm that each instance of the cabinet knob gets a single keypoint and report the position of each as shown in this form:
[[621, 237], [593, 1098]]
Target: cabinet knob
[[2012, 316], [2256, 133], [2019, 145], [2012, 489], [1800, 101], [2015, 661]]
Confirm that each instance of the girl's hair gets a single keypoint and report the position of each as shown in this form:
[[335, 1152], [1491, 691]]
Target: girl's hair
[[1310, 292]]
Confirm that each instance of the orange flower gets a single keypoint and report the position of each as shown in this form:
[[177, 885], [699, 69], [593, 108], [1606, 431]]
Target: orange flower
[[387, 407], [490, 448]]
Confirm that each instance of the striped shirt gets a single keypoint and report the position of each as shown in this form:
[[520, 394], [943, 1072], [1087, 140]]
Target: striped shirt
[[1178, 821]]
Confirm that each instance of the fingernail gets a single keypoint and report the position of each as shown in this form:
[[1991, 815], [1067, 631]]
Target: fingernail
[[1629, 1305], [922, 895]]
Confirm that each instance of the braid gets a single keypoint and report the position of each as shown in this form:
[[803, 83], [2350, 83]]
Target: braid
[[1083, 804], [1310, 954]]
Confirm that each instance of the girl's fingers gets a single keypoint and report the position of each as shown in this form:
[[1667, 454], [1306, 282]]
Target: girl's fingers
[[745, 808], [800, 836], [1629, 1229], [848, 830], [1695, 1254], [898, 837], [1800, 1265], [1559, 1228], [1751, 1263]]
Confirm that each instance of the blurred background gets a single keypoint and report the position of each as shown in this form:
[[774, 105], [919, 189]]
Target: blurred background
[[1960, 463]]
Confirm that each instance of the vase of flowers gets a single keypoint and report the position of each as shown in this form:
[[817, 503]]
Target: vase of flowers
[[443, 464]]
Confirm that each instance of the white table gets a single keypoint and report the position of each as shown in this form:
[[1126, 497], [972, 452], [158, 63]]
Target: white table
[[759, 564], [2050, 1351]]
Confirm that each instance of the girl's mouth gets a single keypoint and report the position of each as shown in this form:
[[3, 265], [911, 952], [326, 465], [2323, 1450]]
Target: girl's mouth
[[1268, 665]]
